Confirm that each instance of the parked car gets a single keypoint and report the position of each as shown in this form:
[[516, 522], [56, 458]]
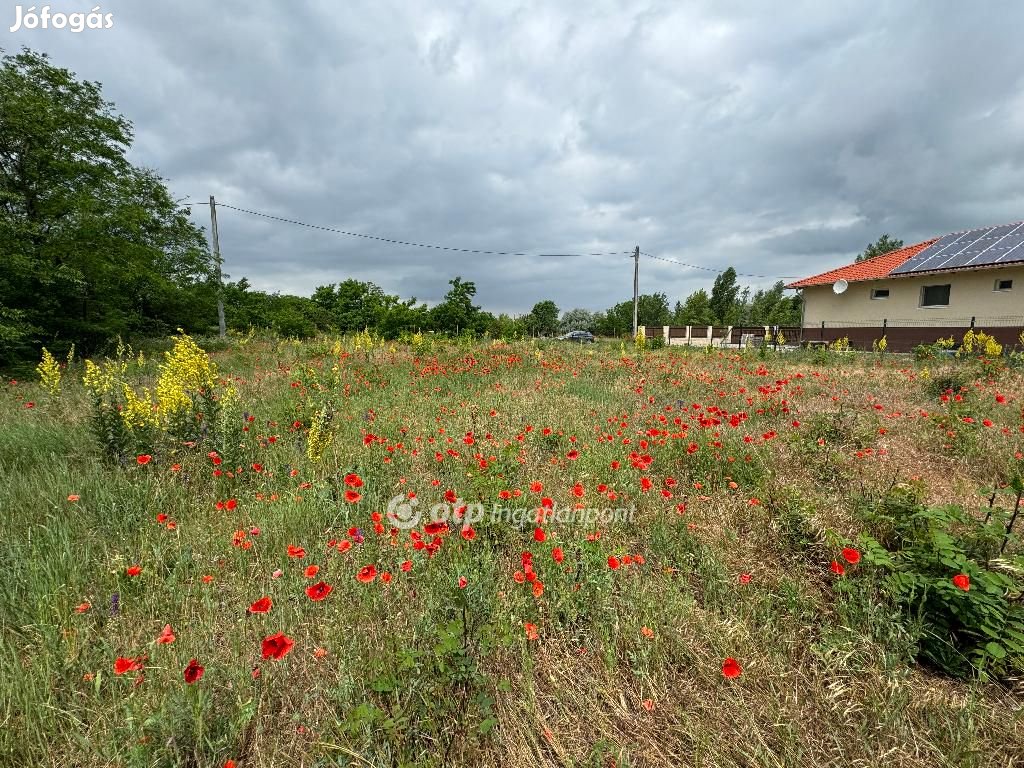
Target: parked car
[[580, 337]]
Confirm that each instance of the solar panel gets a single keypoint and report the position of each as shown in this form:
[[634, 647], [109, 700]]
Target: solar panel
[[1009, 249], [972, 248]]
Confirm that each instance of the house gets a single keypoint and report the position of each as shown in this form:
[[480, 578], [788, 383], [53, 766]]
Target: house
[[963, 279]]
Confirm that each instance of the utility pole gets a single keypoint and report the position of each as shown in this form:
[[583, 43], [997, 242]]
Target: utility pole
[[636, 287], [217, 262]]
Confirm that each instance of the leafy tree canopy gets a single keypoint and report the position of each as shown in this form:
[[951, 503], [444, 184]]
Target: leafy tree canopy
[[543, 318], [882, 245], [93, 246]]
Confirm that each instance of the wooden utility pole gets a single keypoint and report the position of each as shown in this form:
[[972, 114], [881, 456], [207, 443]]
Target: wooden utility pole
[[217, 261], [636, 287]]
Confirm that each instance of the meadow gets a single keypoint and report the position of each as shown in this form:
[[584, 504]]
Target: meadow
[[229, 559]]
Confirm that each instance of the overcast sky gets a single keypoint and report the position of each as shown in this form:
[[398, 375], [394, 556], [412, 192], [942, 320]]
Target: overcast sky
[[779, 138]]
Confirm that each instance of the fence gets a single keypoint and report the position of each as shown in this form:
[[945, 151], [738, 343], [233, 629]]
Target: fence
[[900, 335]]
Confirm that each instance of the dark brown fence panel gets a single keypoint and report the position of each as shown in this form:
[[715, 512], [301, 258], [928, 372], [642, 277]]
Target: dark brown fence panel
[[905, 338], [1008, 336]]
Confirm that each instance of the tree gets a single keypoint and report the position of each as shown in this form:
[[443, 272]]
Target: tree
[[93, 246], [543, 318], [457, 312], [506, 327], [772, 307], [695, 311], [352, 304], [652, 311], [725, 308], [577, 320], [882, 245]]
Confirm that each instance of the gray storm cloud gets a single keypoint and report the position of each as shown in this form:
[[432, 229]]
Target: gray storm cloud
[[779, 138]]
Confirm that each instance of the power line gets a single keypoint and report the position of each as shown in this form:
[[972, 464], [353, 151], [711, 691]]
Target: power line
[[432, 246], [395, 241], [712, 269]]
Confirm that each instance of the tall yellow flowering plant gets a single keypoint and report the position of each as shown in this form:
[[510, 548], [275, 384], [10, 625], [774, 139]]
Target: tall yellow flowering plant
[[184, 404]]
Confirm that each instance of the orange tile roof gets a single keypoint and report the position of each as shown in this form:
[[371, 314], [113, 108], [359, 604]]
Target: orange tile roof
[[869, 269]]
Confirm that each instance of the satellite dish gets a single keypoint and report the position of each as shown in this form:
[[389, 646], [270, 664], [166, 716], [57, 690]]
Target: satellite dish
[[839, 286]]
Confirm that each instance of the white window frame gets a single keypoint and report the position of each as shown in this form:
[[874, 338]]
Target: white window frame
[[997, 289]]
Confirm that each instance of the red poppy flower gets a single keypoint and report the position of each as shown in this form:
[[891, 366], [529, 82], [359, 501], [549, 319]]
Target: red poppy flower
[[468, 533], [962, 581], [531, 631], [462, 582], [276, 646], [406, 566], [167, 636], [538, 588], [837, 568], [613, 563], [367, 574], [557, 554], [352, 496], [83, 607], [133, 570], [297, 552], [536, 486], [311, 571], [318, 591], [123, 665], [577, 490], [353, 480], [539, 535], [731, 668], [263, 605], [852, 556], [193, 672], [143, 459]]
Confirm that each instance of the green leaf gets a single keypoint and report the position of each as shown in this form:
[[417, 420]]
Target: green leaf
[[995, 650]]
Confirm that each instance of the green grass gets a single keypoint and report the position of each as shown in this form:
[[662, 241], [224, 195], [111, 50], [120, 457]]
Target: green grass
[[627, 669]]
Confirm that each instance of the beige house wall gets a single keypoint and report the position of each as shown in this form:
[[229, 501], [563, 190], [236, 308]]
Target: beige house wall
[[971, 294]]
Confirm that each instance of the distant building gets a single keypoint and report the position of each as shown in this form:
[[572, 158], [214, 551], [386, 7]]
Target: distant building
[[946, 281]]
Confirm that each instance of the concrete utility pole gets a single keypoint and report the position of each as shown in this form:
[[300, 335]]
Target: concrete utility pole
[[217, 261], [636, 287]]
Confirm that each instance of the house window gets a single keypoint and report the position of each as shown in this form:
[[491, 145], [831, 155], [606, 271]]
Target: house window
[[879, 293], [1004, 285], [935, 296]]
